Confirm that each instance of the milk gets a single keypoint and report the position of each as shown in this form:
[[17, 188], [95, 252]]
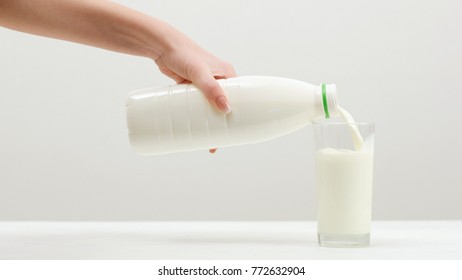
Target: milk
[[344, 191], [344, 183], [355, 134]]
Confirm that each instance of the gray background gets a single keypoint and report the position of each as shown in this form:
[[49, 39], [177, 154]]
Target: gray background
[[64, 152]]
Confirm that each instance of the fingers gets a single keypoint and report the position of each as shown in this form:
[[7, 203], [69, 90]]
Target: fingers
[[230, 72], [205, 81]]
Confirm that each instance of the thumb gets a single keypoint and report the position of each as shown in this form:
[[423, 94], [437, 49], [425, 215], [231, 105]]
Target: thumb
[[212, 90]]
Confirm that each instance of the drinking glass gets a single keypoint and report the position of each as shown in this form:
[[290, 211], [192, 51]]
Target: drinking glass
[[344, 170]]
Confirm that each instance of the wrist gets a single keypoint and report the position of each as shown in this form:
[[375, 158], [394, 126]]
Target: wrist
[[164, 38]]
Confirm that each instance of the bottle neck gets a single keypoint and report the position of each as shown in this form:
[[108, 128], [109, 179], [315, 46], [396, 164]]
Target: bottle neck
[[329, 100]]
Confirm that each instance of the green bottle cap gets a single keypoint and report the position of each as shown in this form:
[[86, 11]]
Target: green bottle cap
[[324, 101]]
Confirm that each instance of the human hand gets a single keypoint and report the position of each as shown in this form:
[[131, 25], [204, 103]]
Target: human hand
[[186, 62]]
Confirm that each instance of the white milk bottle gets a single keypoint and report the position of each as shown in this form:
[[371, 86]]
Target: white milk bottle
[[179, 117]]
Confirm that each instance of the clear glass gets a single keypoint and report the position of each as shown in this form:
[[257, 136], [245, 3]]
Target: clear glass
[[344, 170]]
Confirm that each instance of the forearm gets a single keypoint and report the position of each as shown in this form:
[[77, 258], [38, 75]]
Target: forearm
[[99, 23], [110, 26]]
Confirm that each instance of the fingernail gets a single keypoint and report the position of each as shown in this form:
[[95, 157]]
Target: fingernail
[[223, 104]]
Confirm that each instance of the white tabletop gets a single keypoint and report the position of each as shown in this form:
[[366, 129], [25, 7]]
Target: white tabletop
[[221, 240]]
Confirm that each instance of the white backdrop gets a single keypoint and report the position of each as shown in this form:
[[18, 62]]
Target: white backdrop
[[64, 152]]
